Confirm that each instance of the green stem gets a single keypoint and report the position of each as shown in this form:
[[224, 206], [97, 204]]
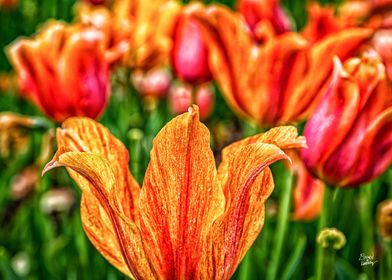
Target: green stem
[[284, 208], [367, 225], [322, 255]]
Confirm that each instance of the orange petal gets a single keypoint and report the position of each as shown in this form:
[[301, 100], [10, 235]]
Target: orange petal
[[247, 185], [179, 199], [119, 242], [85, 135]]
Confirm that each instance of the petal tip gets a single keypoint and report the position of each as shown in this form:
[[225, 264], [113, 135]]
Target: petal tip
[[49, 166]]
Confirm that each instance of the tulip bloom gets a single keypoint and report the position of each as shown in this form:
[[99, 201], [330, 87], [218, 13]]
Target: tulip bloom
[[152, 23], [350, 133], [190, 53], [189, 221], [278, 81], [382, 43], [63, 71]]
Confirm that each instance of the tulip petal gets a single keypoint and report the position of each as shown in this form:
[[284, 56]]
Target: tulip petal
[[246, 192], [179, 199], [118, 241], [85, 135]]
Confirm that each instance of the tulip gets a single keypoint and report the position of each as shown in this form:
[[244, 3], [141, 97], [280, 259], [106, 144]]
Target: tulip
[[63, 71], [204, 98], [350, 133], [154, 83], [8, 4], [150, 26], [190, 54], [279, 81], [189, 220], [256, 12], [180, 98]]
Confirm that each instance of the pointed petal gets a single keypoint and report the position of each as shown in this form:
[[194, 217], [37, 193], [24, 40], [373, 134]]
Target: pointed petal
[[247, 185], [118, 241], [86, 135], [179, 199]]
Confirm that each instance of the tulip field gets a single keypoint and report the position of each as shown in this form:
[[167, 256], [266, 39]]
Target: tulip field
[[168, 139]]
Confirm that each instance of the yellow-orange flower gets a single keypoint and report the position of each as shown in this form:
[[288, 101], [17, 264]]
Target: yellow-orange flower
[[63, 70], [189, 221], [278, 81]]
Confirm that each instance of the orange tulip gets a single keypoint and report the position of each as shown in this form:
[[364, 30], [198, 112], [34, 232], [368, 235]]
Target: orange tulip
[[116, 31], [63, 70], [278, 81], [152, 24], [350, 133], [189, 221], [382, 43]]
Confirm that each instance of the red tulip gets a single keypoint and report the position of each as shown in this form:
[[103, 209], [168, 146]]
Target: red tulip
[[350, 133], [204, 98], [180, 98], [190, 53], [63, 71], [382, 42]]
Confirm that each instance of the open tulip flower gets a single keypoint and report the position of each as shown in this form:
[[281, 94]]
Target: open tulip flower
[[350, 133], [189, 220], [63, 70], [278, 81]]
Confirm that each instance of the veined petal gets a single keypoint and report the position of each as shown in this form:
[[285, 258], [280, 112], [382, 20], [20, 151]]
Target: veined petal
[[118, 241], [179, 199], [85, 135], [246, 192]]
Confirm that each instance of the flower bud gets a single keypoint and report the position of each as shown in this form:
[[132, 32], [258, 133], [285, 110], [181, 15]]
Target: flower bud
[[180, 98], [155, 82], [189, 56], [205, 99], [385, 219]]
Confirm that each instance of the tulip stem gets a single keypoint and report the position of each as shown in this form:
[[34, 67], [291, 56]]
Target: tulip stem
[[325, 258], [284, 208], [365, 196]]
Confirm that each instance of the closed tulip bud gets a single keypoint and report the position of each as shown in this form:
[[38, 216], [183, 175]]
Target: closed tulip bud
[[155, 82], [350, 133], [385, 219], [205, 99], [190, 53], [257, 11], [63, 70], [180, 98]]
